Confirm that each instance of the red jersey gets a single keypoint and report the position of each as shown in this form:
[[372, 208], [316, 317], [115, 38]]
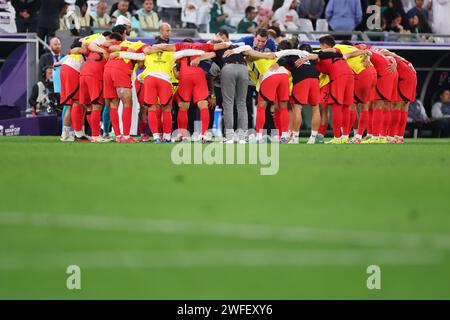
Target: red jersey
[[380, 62], [185, 67], [94, 65], [334, 66], [403, 69]]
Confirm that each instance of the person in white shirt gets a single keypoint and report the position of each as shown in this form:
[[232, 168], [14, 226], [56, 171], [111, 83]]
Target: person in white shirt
[[440, 20], [286, 16], [189, 13]]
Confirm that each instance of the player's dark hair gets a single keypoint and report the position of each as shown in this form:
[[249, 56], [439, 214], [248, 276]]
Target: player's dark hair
[[106, 33], [76, 43], [328, 40], [120, 29], [223, 32], [249, 9], [284, 45], [347, 43], [293, 41], [115, 36], [262, 33], [306, 47], [188, 40], [276, 29]]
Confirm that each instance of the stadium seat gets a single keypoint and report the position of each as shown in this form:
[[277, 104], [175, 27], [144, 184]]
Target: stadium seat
[[306, 25], [322, 25]]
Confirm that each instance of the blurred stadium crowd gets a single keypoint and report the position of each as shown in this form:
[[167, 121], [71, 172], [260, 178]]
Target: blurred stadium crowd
[[245, 16]]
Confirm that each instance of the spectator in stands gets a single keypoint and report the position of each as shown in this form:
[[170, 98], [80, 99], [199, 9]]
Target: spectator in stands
[[418, 9], [70, 20], [43, 100], [440, 112], [100, 19], [122, 10], [132, 7], [286, 16], [441, 21], [26, 14], [265, 12], [409, 4], [393, 10], [343, 15], [310, 9], [248, 24], [195, 14], [203, 16], [170, 12], [396, 24], [146, 18], [189, 13], [219, 18], [236, 10], [417, 117], [418, 24], [165, 31], [49, 58], [84, 17], [48, 18]]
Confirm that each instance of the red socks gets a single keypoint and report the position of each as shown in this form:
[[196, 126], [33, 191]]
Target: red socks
[[77, 117], [114, 115], [376, 122], [154, 121], [260, 118], [182, 119], [204, 118], [142, 127], [126, 120], [95, 122], [363, 121], [369, 124], [277, 122], [323, 129], [159, 115], [345, 120], [395, 120], [385, 123], [402, 124], [336, 110], [167, 121], [284, 120], [353, 115]]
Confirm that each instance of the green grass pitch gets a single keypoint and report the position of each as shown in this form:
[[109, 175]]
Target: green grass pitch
[[140, 227]]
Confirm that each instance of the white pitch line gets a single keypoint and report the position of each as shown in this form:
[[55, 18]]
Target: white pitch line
[[230, 230], [217, 258]]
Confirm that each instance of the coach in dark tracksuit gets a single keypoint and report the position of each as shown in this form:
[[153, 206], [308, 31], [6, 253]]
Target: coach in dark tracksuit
[[234, 84]]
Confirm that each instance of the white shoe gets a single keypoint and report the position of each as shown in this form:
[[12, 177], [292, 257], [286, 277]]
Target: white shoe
[[107, 137], [311, 140], [227, 141], [242, 141], [100, 139], [67, 138]]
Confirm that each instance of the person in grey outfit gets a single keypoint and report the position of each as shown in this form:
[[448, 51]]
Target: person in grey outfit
[[234, 84]]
